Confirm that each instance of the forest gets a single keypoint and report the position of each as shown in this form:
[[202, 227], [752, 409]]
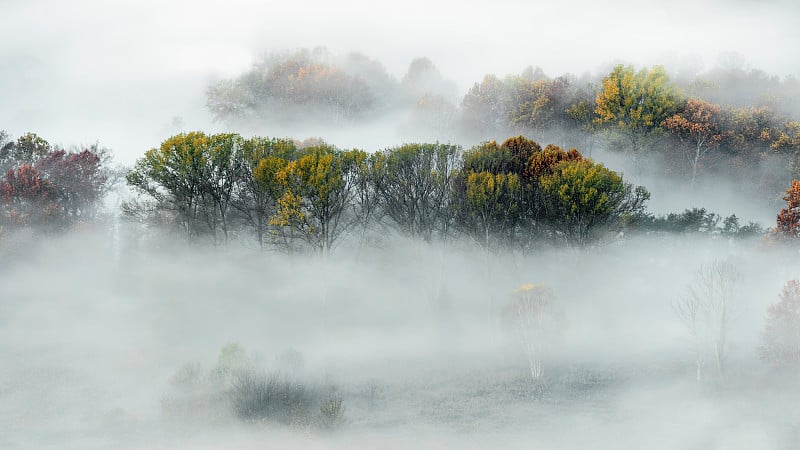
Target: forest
[[496, 278]]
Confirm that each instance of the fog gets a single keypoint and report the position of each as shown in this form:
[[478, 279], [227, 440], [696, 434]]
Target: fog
[[93, 339], [118, 335], [121, 72]]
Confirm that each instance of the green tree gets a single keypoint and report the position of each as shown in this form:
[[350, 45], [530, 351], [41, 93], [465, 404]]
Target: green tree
[[415, 188], [492, 195], [27, 149], [492, 210], [368, 170], [191, 175], [583, 198]]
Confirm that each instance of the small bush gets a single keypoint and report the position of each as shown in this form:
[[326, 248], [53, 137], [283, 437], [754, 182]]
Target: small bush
[[270, 397], [331, 413]]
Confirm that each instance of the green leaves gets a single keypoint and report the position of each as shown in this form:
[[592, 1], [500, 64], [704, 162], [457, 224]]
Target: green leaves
[[194, 176], [582, 198], [415, 186]]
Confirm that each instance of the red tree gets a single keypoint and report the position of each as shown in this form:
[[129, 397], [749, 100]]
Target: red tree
[[27, 198], [78, 177], [788, 221]]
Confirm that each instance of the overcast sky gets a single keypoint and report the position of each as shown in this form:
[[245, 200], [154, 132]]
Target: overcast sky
[[120, 71]]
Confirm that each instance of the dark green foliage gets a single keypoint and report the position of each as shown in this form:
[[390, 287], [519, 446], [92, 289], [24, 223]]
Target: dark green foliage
[[415, 185], [695, 221]]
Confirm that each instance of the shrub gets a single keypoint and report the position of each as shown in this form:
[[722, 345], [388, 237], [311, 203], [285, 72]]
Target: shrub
[[331, 413], [269, 397]]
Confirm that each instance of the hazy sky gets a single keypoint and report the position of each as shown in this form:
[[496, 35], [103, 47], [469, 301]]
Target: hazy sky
[[119, 71]]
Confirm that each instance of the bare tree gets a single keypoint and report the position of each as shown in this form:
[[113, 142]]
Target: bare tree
[[706, 309], [537, 320]]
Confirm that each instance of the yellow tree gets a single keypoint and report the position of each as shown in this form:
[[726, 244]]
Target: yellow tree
[[633, 104], [788, 141], [259, 160], [319, 187]]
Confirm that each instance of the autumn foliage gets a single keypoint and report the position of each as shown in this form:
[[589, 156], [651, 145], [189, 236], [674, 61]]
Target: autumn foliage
[[788, 220], [49, 188]]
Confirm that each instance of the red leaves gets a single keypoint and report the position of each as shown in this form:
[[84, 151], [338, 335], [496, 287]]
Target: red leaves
[[26, 183], [788, 220], [26, 197], [78, 176], [56, 188], [544, 162]]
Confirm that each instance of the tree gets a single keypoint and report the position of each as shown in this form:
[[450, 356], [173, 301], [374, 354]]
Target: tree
[[538, 105], [634, 104], [79, 178], [319, 187], [537, 320], [50, 186], [193, 176], [705, 309], [28, 198], [258, 160], [415, 188], [26, 150], [492, 210], [301, 83], [748, 133], [788, 141], [788, 220], [545, 162], [424, 79], [699, 128], [222, 180], [369, 168], [781, 337], [493, 195], [582, 198], [484, 107]]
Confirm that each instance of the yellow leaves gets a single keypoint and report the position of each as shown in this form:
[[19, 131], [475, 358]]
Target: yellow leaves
[[288, 210], [485, 189], [527, 287], [635, 102]]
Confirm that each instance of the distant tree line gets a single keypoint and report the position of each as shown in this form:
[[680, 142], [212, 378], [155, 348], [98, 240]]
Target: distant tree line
[[727, 120]]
